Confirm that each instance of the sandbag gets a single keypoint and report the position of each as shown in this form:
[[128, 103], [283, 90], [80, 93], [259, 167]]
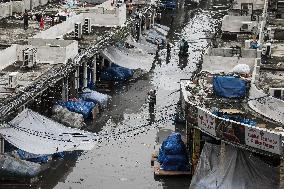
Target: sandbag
[[241, 69], [67, 118]]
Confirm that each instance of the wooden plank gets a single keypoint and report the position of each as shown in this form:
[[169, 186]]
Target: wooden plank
[[232, 111], [159, 172]]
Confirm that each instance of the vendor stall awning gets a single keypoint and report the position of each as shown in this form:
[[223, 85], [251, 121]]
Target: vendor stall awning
[[37, 134], [129, 58]]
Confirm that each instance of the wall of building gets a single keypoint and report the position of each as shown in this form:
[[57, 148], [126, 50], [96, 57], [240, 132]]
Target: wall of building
[[60, 29], [234, 23], [53, 50], [227, 52], [267, 106], [257, 4], [8, 56], [21, 6], [6, 9]]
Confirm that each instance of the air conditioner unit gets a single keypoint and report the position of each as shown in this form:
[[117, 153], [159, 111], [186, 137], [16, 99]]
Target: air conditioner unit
[[12, 80], [29, 57], [87, 26], [266, 50], [246, 27], [277, 93], [78, 31]]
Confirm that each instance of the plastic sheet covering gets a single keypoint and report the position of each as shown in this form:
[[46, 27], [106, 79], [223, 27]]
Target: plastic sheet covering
[[229, 86], [143, 45], [166, 28], [172, 154], [37, 134], [33, 157], [129, 58], [116, 73], [96, 97], [80, 107], [240, 170], [67, 118], [154, 37], [241, 68], [15, 167]]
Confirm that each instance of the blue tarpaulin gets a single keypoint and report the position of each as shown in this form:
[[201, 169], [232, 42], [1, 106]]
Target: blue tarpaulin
[[32, 157], [116, 73], [172, 154], [229, 86], [80, 107]]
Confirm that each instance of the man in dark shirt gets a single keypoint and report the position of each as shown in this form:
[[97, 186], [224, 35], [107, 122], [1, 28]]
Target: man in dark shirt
[[26, 20]]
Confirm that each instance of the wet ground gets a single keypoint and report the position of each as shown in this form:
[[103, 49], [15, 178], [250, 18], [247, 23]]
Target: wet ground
[[124, 162]]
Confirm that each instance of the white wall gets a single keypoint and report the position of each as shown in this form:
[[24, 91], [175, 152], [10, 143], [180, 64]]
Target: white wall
[[233, 23], [6, 9], [60, 29], [227, 52], [21, 6], [48, 52], [268, 106], [8, 56]]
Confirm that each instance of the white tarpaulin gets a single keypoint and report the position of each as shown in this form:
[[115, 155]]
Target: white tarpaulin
[[129, 58], [142, 44], [37, 134], [239, 170]]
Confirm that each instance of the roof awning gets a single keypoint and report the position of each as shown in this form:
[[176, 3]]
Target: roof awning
[[129, 58], [38, 134]]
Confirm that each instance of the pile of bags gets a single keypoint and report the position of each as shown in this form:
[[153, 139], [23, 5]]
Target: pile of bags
[[80, 107], [172, 155], [67, 118], [116, 73], [96, 97]]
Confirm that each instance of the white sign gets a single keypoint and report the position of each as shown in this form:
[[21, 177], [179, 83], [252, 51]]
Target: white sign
[[206, 122], [263, 140]]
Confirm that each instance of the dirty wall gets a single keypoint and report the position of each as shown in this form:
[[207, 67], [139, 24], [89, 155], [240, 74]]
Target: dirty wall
[[6, 9]]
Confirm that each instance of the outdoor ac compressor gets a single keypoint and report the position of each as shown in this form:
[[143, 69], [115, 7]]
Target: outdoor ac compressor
[[78, 31], [87, 26]]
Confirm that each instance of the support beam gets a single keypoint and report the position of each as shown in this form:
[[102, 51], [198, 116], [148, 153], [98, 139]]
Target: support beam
[[222, 156], [196, 148], [65, 89], [94, 70], [77, 75], [281, 174], [85, 80], [2, 141]]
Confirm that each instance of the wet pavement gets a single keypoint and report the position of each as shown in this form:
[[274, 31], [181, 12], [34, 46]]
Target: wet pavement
[[124, 161]]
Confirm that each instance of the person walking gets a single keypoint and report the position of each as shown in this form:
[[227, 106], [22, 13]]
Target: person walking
[[41, 24], [26, 20]]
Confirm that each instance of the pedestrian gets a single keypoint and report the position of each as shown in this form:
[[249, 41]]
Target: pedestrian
[[172, 19], [41, 24], [26, 20]]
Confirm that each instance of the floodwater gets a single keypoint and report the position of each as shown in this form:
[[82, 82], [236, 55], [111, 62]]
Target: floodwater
[[124, 161]]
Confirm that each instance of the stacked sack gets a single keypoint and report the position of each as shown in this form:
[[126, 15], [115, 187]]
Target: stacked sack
[[172, 155]]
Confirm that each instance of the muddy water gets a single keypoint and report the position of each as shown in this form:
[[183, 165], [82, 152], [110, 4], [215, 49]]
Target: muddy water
[[124, 160]]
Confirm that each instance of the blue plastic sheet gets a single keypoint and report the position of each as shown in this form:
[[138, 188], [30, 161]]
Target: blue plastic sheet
[[172, 155], [229, 86], [96, 97], [80, 107], [116, 73], [32, 157], [236, 118]]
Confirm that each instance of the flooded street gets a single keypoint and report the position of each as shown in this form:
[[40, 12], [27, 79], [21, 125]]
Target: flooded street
[[124, 161]]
